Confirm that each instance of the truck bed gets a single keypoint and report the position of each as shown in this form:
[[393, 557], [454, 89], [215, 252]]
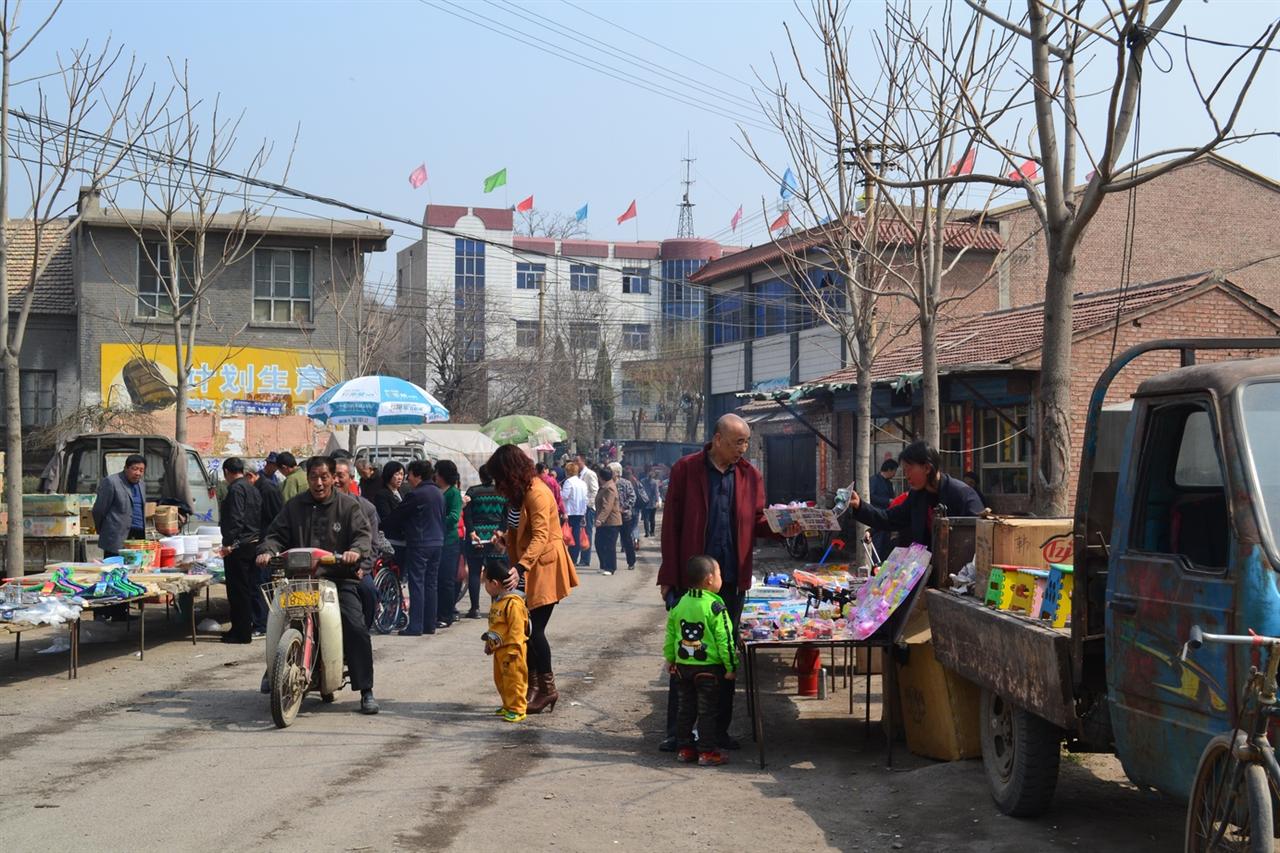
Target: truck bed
[[1022, 659]]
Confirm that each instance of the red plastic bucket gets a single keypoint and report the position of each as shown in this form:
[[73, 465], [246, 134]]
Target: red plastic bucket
[[809, 670], [167, 556]]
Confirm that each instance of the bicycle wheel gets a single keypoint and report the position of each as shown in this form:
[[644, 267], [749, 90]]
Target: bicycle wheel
[[1230, 806], [390, 603]]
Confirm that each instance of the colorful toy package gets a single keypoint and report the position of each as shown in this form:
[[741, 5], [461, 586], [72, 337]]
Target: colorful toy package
[[881, 596]]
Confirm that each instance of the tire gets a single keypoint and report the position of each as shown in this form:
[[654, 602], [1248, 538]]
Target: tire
[[390, 601], [288, 682], [1231, 799], [798, 547], [1020, 753]]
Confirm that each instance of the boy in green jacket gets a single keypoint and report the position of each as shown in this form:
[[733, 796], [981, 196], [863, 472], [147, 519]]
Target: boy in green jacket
[[700, 651]]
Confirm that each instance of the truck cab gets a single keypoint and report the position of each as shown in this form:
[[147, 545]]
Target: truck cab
[[1191, 544], [176, 473]]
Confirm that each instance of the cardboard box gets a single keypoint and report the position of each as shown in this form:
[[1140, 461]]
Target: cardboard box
[[51, 526], [149, 510], [87, 525], [939, 708], [864, 656], [1027, 542], [51, 505]]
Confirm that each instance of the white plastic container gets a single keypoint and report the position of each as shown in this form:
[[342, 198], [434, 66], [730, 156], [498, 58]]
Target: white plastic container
[[174, 542], [209, 530], [190, 544]]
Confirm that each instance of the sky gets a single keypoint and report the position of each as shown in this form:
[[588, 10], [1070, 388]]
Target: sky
[[374, 88]]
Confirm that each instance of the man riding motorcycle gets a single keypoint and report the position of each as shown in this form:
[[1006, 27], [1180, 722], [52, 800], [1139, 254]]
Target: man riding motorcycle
[[324, 517]]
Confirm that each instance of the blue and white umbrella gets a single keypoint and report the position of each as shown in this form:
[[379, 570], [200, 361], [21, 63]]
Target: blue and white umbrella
[[377, 401]]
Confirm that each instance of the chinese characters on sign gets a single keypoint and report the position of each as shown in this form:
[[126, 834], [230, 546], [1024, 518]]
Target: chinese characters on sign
[[229, 380]]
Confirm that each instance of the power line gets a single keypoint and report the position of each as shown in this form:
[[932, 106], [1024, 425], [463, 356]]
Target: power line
[[618, 74], [591, 42]]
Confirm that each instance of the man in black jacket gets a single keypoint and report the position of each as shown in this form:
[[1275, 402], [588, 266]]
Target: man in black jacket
[[241, 519], [272, 503], [929, 489], [323, 517]]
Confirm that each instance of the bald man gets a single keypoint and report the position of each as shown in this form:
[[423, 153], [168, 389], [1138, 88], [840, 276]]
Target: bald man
[[715, 506]]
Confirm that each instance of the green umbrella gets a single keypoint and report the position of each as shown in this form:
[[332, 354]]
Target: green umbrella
[[518, 429]]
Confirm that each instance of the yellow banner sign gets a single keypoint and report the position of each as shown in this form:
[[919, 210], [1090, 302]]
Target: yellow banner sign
[[228, 379]]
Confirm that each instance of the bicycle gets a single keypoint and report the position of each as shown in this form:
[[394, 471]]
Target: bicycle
[[1238, 777], [392, 605]]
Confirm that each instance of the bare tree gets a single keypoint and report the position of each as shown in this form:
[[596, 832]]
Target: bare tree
[[1058, 41], [186, 236], [53, 145], [838, 266], [550, 223], [671, 383], [914, 126]]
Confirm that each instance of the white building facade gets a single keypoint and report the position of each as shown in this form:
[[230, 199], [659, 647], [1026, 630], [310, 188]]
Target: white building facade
[[515, 302]]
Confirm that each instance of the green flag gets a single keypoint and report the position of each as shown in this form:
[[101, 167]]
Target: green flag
[[497, 179]]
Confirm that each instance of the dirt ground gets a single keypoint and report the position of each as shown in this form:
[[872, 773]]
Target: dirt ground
[[178, 752]]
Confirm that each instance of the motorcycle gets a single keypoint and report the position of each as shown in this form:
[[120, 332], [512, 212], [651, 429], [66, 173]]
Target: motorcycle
[[304, 633]]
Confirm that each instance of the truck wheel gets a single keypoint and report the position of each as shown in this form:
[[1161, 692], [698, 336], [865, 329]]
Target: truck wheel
[[1020, 753], [1230, 806]]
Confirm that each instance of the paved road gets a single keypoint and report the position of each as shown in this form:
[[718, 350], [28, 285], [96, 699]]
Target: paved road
[[178, 752]]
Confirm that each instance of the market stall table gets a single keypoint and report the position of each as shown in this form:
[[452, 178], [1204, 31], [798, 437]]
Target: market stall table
[[885, 637], [161, 587]]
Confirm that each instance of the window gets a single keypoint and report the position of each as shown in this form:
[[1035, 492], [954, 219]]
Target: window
[[633, 395], [1006, 451], [1180, 506], [1260, 407], [281, 286], [469, 301], [155, 279], [680, 300], [585, 335], [821, 286], [530, 276], [584, 277], [635, 280], [635, 336], [37, 394], [773, 303], [727, 317], [527, 333]]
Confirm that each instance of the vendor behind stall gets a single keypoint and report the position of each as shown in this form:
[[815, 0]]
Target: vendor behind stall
[[929, 489]]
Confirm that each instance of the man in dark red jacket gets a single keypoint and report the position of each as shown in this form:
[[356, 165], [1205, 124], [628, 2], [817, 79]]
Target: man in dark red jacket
[[715, 506]]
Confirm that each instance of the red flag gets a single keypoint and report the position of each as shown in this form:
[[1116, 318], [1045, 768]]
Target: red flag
[[1026, 172], [418, 176], [965, 166], [527, 204], [782, 221], [737, 217], [629, 214]]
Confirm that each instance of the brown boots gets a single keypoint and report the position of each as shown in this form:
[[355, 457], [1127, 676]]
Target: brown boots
[[543, 693], [535, 680]]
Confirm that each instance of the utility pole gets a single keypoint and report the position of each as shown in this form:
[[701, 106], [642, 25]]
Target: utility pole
[[685, 226]]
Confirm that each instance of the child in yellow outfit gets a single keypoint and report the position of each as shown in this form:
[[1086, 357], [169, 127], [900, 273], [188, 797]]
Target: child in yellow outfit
[[505, 641]]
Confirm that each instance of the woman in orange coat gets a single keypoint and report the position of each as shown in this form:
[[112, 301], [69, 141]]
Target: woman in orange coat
[[536, 547]]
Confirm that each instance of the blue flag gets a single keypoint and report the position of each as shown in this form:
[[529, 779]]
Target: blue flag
[[788, 184], [581, 214]]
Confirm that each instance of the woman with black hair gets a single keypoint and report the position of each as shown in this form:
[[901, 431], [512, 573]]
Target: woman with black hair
[[448, 478], [387, 498], [929, 489]]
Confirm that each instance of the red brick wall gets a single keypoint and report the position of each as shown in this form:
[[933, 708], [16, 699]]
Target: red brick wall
[[1213, 313], [1199, 217]]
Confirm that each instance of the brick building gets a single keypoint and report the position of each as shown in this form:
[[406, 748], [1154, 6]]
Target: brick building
[[1211, 214], [989, 371]]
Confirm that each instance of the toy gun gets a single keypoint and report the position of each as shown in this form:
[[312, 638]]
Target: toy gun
[[492, 640]]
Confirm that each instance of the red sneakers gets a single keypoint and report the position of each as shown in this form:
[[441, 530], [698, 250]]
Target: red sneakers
[[714, 758], [687, 754]]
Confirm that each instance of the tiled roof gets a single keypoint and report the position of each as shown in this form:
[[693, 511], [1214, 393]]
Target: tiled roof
[[55, 291], [1000, 337], [957, 235]]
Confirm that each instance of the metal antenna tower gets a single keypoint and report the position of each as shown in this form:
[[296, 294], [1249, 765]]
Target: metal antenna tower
[[685, 226]]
